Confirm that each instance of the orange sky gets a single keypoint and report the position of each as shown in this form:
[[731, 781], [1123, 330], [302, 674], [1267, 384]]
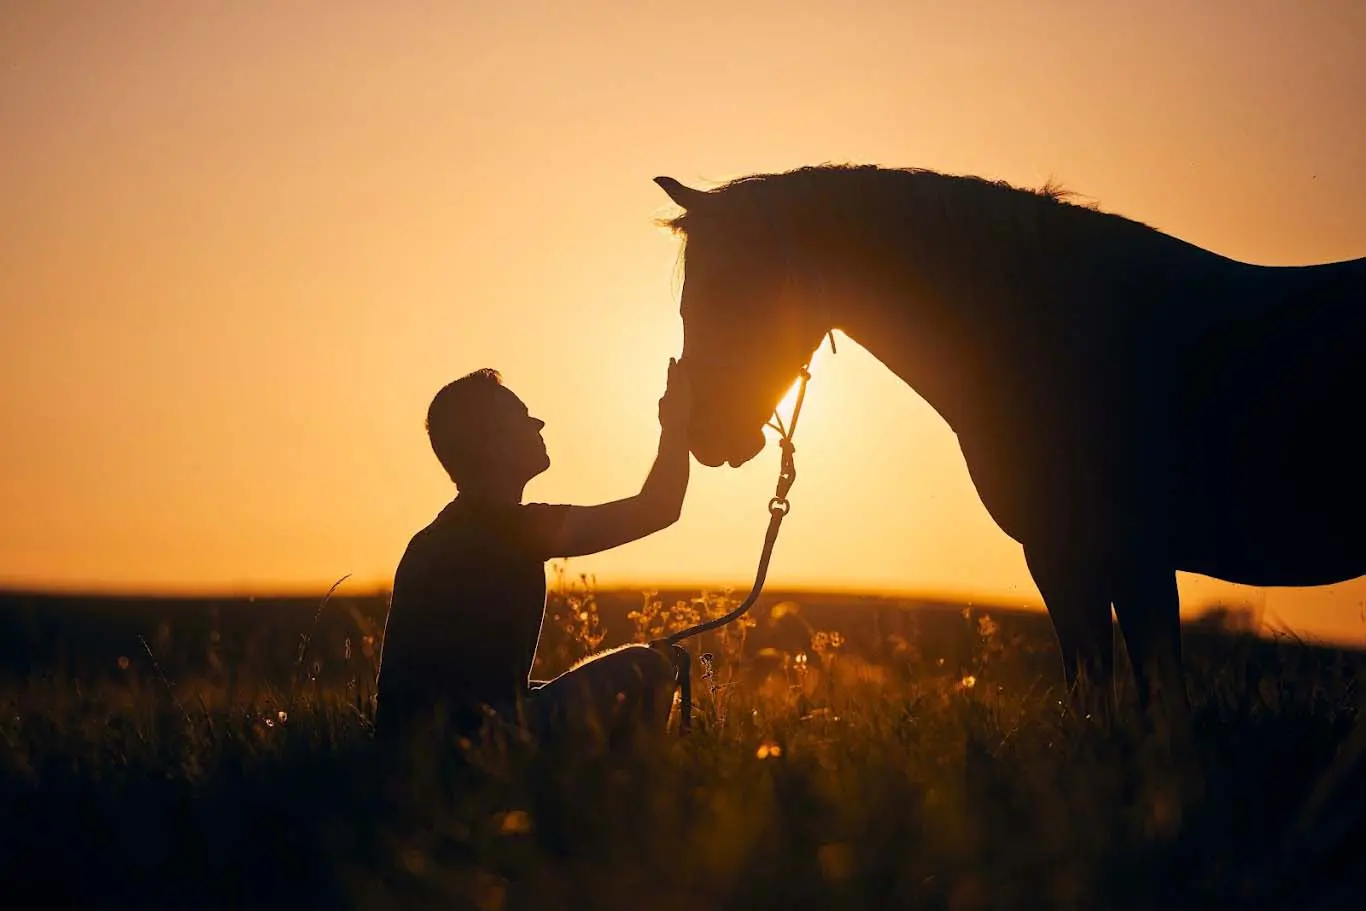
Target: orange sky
[[242, 244]]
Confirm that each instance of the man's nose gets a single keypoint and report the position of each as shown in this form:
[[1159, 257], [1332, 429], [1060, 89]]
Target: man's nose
[[540, 424]]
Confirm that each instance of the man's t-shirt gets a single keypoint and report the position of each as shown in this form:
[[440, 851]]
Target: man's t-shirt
[[466, 611]]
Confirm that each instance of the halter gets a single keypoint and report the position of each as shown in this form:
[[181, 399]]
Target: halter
[[778, 508]]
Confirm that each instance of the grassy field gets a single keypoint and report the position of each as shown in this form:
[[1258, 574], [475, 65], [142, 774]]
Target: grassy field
[[846, 755]]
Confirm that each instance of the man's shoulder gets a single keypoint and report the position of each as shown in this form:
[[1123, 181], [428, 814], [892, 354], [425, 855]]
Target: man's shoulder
[[424, 535], [536, 510], [482, 526], [423, 544], [493, 517]]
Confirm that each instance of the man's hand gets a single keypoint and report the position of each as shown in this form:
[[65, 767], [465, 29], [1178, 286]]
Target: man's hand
[[589, 529], [675, 407]]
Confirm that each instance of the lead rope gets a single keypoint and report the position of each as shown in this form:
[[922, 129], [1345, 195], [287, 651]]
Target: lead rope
[[778, 508]]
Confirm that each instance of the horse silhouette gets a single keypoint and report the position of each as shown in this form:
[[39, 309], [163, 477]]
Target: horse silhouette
[[1128, 404]]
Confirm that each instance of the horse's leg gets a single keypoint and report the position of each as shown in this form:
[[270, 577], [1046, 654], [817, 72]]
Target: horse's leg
[[1149, 611], [1075, 592], [1148, 608]]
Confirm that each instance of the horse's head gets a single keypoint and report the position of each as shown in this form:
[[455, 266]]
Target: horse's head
[[748, 325]]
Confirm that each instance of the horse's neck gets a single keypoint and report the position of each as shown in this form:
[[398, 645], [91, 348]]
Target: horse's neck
[[931, 327], [969, 319], [933, 369]]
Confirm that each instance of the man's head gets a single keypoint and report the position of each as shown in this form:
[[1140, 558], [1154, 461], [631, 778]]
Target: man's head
[[483, 434]]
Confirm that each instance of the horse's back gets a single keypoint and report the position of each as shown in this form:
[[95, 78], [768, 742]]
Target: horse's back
[[1272, 490]]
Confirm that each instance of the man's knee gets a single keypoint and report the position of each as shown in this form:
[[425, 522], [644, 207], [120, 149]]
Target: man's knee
[[634, 681], [645, 662], [632, 669]]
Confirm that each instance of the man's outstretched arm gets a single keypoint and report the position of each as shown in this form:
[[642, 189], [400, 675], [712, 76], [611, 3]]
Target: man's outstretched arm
[[589, 529]]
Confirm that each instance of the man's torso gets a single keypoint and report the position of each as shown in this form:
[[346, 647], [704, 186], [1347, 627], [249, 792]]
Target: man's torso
[[468, 601]]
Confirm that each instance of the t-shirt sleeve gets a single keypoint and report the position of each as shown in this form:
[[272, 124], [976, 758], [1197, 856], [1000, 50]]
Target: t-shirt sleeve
[[540, 527]]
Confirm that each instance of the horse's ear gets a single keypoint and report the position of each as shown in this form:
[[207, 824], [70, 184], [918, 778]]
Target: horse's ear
[[686, 197]]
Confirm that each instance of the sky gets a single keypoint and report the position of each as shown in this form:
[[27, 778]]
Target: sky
[[242, 244]]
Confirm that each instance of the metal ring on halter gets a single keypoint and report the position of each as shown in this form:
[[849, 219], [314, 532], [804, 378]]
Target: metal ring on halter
[[779, 506]]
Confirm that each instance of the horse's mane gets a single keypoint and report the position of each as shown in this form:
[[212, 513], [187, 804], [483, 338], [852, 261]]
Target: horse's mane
[[845, 188]]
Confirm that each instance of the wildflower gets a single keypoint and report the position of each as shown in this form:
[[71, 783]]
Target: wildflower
[[490, 893], [967, 683], [123, 662], [769, 750], [514, 822], [283, 716], [413, 860], [836, 861], [1164, 816]]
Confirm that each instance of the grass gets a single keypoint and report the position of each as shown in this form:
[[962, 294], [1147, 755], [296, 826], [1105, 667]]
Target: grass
[[819, 775]]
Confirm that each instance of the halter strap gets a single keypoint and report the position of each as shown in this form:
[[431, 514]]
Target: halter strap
[[778, 508]]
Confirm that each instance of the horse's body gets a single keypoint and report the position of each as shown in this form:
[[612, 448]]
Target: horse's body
[[1128, 404], [1271, 489]]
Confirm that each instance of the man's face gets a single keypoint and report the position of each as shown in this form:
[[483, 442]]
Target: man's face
[[515, 442]]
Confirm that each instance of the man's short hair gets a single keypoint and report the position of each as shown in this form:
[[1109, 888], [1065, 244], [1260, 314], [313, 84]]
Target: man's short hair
[[459, 414]]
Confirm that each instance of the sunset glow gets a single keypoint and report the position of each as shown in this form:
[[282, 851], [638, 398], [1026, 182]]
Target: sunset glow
[[243, 244], [786, 410]]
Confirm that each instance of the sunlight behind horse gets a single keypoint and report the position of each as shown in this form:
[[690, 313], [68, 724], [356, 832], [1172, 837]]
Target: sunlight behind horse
[[789, 399]]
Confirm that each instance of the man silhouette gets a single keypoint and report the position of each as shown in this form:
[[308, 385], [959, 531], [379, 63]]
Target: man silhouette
[[469, 593]]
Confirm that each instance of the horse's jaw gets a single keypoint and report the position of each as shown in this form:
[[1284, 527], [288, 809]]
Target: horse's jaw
[[707, 460], [747, 453], [712, 455], [735, 462]]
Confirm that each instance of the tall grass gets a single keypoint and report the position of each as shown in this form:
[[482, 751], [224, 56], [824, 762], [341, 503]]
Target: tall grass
[[816, 777]]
